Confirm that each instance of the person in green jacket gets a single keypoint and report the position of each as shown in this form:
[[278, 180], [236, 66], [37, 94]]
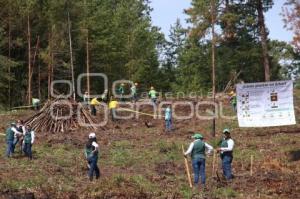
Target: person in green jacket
[[28, 141], [153, 95], [10, 135], [197, 151], [121, 91], [233, 100]]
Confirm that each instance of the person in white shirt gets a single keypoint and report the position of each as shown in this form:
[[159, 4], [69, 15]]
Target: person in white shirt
[[226, 150], [18, 138], [197, 151], [91, 155], [28, 141]]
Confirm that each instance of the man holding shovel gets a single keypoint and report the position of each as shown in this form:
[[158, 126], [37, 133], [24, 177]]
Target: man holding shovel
[[197, 151]]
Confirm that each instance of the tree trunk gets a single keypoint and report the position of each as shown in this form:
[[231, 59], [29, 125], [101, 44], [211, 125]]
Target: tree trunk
[[9, 56], [71, 57], [88, 64], [36, 51], [213, 47], [39, 81], [29, 59], [263, 36], [49, 67]]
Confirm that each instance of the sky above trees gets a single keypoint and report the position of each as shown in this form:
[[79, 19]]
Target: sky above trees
[[166, 12]]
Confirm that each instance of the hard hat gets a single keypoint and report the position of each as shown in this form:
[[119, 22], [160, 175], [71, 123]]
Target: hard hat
[[231, 93], [152, 87], [197, 136], [122, 84], [136, 83], [13, 124], [226, 131], [92, 135]]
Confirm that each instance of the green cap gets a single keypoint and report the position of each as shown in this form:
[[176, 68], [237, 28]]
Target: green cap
[[197, 136], [226, 131]]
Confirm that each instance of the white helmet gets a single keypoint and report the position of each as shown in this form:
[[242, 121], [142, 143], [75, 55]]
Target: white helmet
[[92, 135]]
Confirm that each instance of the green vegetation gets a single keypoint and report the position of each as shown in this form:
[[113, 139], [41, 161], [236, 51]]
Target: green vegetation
[[124, 44], [225, 193]]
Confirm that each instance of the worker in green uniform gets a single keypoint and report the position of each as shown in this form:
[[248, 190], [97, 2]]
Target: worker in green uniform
[[10, 134], [153, 95], [226, 151], [121, 91], [28, 141], [197, 151]]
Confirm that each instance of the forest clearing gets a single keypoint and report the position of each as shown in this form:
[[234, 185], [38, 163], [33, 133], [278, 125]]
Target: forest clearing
[[149, 99]]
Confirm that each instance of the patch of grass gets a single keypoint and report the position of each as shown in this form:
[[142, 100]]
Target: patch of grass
[[121, 154], [224, 193], [171, 151], [18, 184], [186, 191], [142, 182], [242, 154]]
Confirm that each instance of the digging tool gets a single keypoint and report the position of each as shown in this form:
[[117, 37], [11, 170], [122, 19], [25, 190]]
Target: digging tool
[[251, 165], [187, 169], [214, 162]]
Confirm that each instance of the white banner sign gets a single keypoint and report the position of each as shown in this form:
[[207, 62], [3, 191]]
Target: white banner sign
[[265, 104]]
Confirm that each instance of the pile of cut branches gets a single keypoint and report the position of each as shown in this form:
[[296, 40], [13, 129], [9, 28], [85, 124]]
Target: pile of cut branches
[[61, 115]]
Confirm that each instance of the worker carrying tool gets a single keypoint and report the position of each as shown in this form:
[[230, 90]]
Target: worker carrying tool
[[28, 141], [168, 118], [153, 95], [91, 155], [226, 150], [197, 151], [94, 103], [113, 105], [10, 134], [133, 90]]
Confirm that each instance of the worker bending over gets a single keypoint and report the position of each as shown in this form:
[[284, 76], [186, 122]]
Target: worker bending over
[[94, 103], [113, 105]]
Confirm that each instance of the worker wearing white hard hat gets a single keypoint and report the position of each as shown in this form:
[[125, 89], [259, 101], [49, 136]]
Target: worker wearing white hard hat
[[91, 154]]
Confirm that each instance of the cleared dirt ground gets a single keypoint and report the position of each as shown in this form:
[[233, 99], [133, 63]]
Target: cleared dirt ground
[[137, 161]]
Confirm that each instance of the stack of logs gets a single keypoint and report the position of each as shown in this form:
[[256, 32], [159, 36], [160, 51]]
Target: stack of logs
[[61, 115]]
